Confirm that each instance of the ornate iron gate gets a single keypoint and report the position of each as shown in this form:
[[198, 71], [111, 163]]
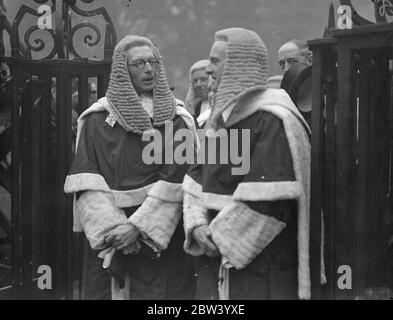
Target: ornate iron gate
[[352, 125], [43, 97]]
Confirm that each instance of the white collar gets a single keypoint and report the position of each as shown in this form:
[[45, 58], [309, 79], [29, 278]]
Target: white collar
[[204, 116], [227, 112], [147, 104], [204, 106]]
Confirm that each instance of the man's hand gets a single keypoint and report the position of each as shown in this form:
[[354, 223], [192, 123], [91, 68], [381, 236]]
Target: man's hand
[[133, 248], [122, 236], [203, 237]]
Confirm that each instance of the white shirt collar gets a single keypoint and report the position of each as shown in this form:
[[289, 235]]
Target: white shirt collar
[[203, 117], [147, 104]]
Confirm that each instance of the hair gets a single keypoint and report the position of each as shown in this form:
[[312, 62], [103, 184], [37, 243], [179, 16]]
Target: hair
[[123, 98], [221, 37], [197, 69], [137, 43], [140, 43], [303, 47], [245, 69]]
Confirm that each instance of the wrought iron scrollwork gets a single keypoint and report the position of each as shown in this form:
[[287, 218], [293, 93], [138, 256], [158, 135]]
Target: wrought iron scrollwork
[[357, 19], [384, 8], [5, 72], [110, 35], [88, 39], [63, 31], [19, 49], [40, 44]]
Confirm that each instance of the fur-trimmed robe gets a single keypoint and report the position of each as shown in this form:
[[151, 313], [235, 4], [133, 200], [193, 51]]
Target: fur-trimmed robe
[[116, 186], [255, 219]]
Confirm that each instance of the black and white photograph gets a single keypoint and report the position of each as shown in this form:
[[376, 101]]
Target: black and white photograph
[[196, 155]]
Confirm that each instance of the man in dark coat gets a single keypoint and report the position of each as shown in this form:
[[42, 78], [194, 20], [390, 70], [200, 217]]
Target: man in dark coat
[[130, 208], [250, 227]]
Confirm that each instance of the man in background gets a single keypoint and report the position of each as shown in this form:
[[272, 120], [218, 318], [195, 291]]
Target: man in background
[[197, 97], [250, 230], [293, 51]]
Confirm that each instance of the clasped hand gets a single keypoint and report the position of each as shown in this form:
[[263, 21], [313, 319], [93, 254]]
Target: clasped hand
[[203, 237], [124, 237]]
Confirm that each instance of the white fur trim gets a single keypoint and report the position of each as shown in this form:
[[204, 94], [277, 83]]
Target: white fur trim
[[167, 191], [104, 105], [189, 121], [278, 103], [157, 219], [203, 117], [194, 215], [85, 181], [131, 198], [215, 201], [191, 186], [92, 181], [241, 233], [98, 215], [268, 191], [101, 105], [266, 99], [301, 156]]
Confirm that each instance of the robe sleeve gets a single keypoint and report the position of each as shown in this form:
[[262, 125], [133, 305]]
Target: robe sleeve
[[160, 213], [259, 210], [194, 213], [95, 211], [158, 216]]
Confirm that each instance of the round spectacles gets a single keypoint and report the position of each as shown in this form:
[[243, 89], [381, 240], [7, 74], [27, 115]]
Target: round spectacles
[[141, 63]]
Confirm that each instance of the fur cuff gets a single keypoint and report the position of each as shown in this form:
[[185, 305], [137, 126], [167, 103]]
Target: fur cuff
[[195, 215], [215, 201], [85, 181], [191, 186], [242, 233], [157, 219], [130, 198], [268, 191], [167, 191], [98, 215]]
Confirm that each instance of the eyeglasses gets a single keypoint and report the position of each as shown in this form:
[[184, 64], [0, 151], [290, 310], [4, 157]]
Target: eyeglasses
[[141, 63]]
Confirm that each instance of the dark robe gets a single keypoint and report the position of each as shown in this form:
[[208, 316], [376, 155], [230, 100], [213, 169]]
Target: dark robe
[[116, 156], [273, 273]]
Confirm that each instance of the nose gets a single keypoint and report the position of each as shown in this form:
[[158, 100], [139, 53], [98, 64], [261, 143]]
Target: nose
[[209, 69], [287, 66], [148, 67]]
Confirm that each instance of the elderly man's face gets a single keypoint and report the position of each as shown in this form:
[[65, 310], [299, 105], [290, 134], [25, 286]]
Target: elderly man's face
[[142, 66], [199, 80], [289, 54], [217, 59]]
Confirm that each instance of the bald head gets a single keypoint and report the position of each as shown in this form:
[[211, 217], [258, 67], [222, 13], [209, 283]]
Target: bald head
[[294, 51]]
